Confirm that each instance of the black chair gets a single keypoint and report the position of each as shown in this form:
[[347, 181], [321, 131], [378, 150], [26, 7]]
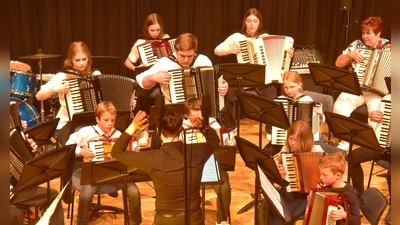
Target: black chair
[[117, 89], [381, 162], [373, 203], [106, 189], [326, 100]]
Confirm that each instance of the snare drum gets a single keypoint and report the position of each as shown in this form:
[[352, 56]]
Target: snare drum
[[28, 112], [22, 84], [19, 66]]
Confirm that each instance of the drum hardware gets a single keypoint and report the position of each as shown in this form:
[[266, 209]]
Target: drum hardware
[[40, 56]]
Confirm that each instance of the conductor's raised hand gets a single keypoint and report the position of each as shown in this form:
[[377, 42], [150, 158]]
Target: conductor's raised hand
[[140, 120]]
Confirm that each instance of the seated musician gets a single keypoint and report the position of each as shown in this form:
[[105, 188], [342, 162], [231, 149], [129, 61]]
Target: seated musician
[[193, 114], [104, 131], [299, 139], [371, 29], [331, 168], [166, 167], [78, 63], [362, 154], [252, 28], [184, 57], [35, 196]]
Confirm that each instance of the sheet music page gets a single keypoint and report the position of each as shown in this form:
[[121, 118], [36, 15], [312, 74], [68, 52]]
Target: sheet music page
[[221, 98], [210, 170], [270, 190]]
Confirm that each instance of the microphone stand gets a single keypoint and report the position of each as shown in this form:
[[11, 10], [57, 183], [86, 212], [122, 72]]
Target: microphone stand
[[185, 179]]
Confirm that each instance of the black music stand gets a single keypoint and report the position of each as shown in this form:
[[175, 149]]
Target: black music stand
[[112, 172], [42, 132], [335, 78], [243, 75], [251, 154], [107, 64], [46, 167], [263, 110], [353, 131]]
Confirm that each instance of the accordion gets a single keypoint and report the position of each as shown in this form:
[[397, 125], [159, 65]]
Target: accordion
[[20, 153], [151, 51], [301, 170], [378, 67], [84, 95], [271, 51], [320, 205], [296, 110], [194, 82], [383, 129]]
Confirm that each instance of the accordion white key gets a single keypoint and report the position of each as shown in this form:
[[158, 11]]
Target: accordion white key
[[383, 129], [151, 51]]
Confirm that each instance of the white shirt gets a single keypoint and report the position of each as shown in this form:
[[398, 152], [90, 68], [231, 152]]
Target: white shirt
[[165, 63], [63, 111], [89, 133]]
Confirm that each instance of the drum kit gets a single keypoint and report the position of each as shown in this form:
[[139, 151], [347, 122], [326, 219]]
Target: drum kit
[[23, 87]]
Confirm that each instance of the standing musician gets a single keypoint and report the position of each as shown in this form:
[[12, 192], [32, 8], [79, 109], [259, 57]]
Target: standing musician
[[251, 29], [78, 63], [103, 131], [371, 29], [166, 167], [299, 139], [37, 196], [153, 29], [184, 56]]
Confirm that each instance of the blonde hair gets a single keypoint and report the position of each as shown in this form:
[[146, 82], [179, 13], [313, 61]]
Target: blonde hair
[[293, 76], [75, 48], [103, 107], [302, 131], [186, 42], [334, 161]]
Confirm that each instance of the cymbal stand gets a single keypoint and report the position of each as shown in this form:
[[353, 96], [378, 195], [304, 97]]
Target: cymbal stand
[[41, 83]]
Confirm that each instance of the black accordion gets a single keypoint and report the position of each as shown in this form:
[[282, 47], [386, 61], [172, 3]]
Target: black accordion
[[194, 82], [20, 153], [296, 110], [84, 95]]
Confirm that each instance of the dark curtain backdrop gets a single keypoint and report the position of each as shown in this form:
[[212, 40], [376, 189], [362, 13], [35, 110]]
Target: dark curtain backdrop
[[110, 27]]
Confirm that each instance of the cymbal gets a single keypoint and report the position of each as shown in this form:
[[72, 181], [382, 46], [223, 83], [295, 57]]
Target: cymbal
[[39, 56]]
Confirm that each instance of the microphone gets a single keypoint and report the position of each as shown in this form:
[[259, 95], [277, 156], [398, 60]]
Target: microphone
[[206, 110], [159, 104]]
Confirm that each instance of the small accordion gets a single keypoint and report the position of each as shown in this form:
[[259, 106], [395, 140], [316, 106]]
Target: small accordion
[[321, 203], [151, 51], [194, 82], [101, 150], [296, 110], [383, 129], [301, 170], [84, 95], [272, 51]]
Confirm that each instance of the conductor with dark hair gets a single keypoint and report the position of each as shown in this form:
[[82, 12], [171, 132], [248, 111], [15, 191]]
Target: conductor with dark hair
[[166, 167]]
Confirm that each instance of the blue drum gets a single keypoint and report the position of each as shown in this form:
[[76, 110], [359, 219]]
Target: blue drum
[[22, 84], [28, 112]]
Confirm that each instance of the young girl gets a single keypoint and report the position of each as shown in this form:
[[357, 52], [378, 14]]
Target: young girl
[[153, 29], [78, 63], [293, 88], [252, 25]]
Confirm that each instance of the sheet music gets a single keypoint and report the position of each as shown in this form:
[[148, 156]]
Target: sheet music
[[221, 98], [210, 170], [271, 191]]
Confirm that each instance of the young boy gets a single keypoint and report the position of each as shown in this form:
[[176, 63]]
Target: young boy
[[331, 168], [106, 114]]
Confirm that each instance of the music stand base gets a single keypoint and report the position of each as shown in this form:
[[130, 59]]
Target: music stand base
[[98, 207]]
